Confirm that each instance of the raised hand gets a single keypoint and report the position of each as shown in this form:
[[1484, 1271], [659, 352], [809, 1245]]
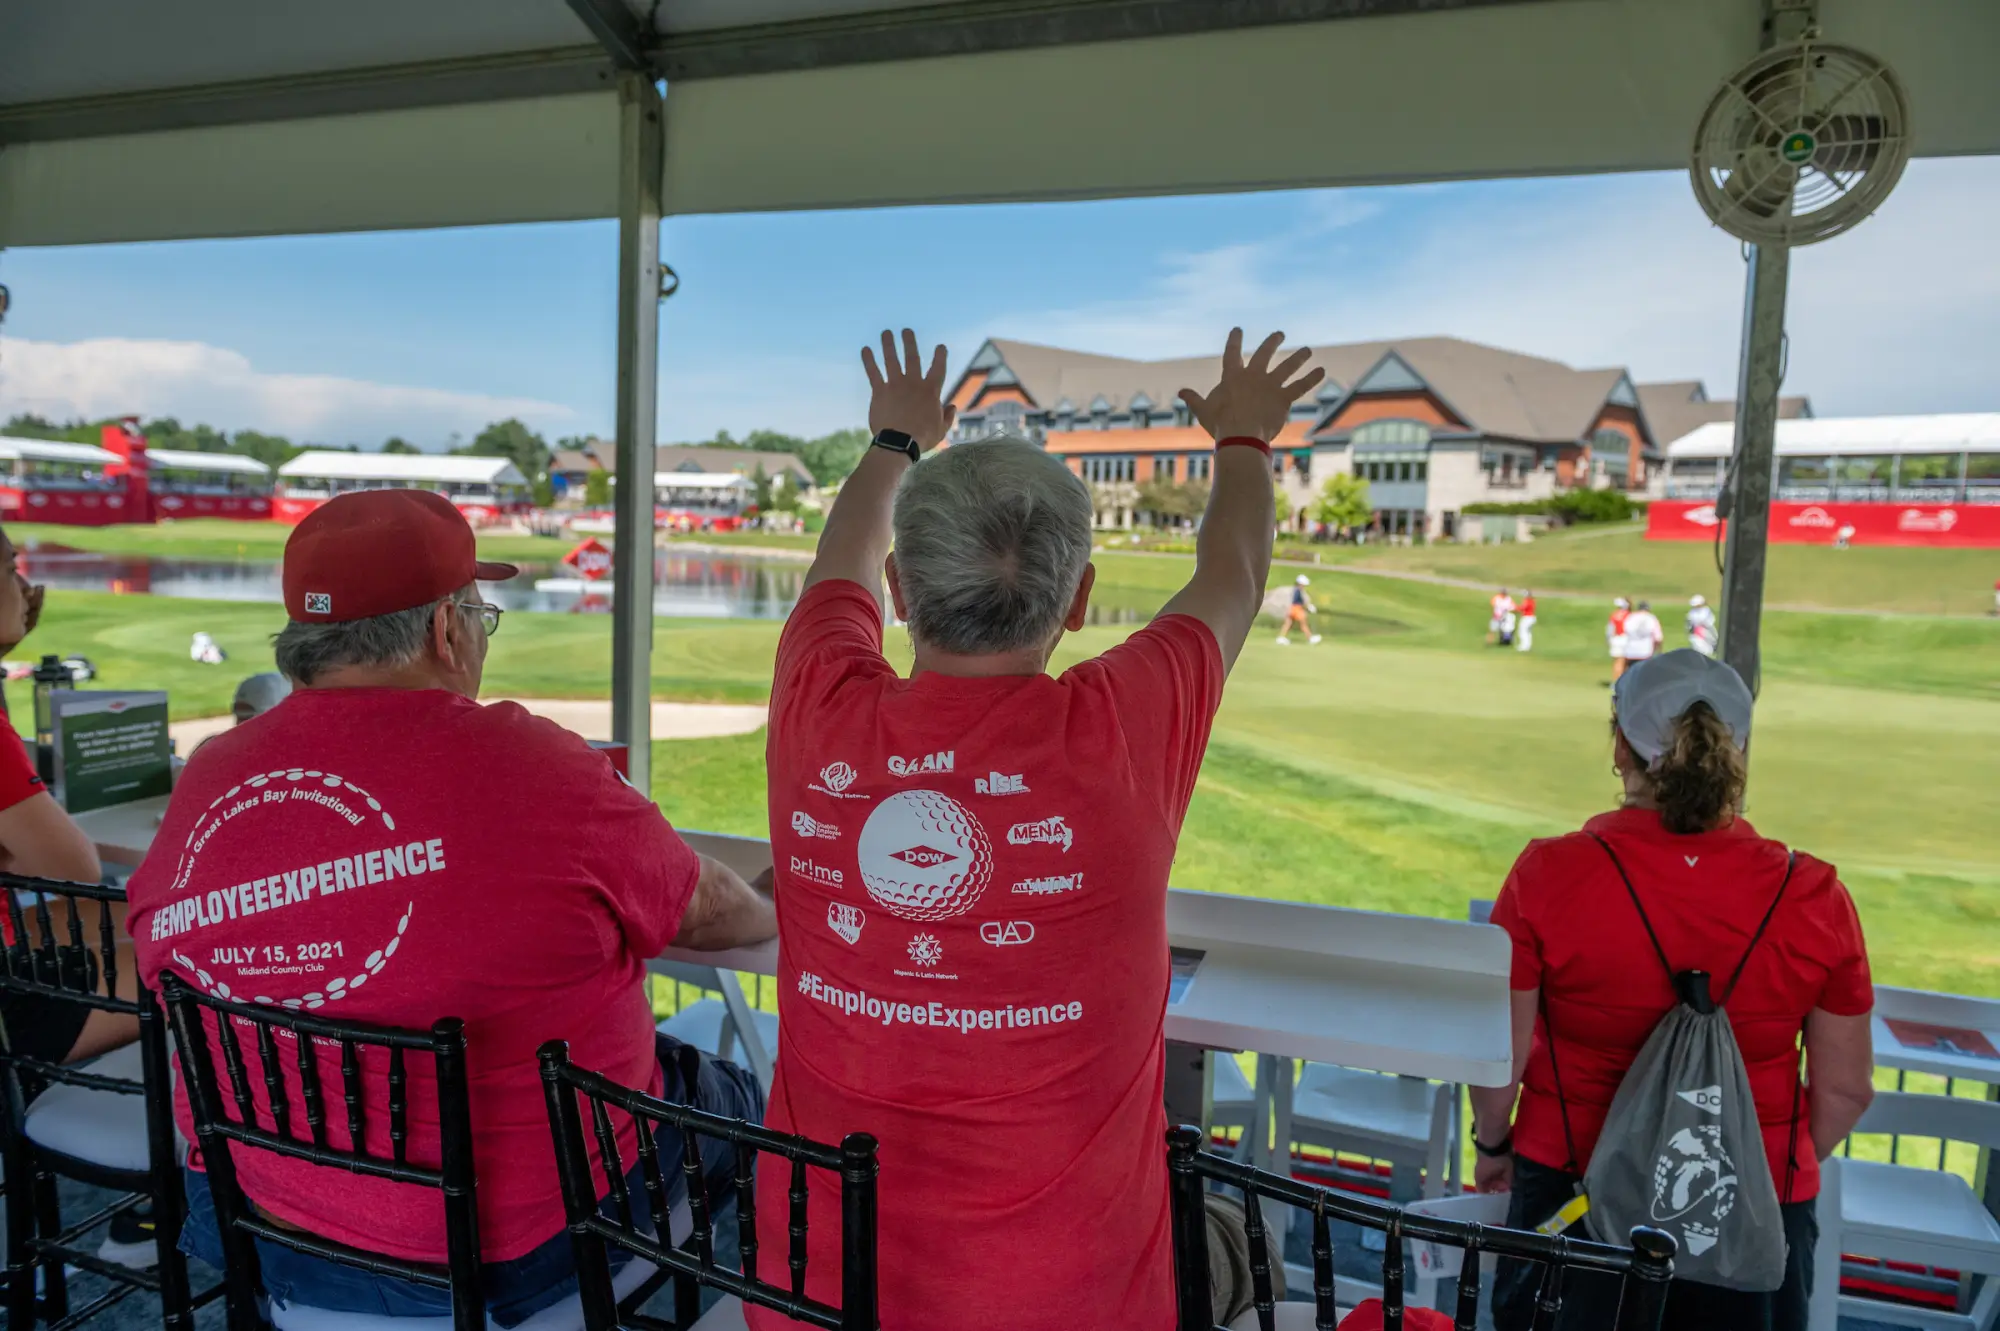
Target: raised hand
[[905, 397], [1254, 399]]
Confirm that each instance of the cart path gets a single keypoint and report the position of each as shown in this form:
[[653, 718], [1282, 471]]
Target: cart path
[[588, 717]]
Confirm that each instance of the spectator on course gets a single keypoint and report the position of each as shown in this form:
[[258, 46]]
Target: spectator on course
[[1614, 635], [1589, 988], [380, 828], [1643, 635], [1524, 635], [973, 861]]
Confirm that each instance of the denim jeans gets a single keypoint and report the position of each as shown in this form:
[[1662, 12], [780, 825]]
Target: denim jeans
[[516, 1289]]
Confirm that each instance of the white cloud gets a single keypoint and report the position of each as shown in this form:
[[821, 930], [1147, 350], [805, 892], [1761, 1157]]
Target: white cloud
[[197, 382], [1901, 314]]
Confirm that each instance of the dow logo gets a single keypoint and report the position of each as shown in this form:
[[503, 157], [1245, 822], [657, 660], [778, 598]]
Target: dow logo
[[923, 857]]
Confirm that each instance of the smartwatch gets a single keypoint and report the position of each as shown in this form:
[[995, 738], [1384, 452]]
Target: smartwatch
[[898, 442]]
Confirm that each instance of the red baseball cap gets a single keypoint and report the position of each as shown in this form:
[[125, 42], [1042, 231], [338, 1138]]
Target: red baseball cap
[[374, 552]]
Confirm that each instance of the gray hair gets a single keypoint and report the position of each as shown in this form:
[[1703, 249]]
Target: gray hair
[[391, 641], [991, 540]]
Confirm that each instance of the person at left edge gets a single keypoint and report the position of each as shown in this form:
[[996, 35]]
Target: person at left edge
[[378, 847]]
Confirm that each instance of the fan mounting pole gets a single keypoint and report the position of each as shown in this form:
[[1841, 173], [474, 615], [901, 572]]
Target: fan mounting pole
[[1747, 504]]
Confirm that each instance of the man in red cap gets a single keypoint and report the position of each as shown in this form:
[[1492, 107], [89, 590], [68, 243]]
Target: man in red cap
[[380, 848]]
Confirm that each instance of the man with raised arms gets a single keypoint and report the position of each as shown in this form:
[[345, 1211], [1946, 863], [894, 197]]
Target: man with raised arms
[[378, 847], [972, 908]]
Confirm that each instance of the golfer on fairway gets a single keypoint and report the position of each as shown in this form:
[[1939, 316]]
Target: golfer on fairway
[[1300, 612]]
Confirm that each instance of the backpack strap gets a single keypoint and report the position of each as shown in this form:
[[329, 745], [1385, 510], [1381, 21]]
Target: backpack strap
[[1562, 1101], [1791, 863], [1633, 893]]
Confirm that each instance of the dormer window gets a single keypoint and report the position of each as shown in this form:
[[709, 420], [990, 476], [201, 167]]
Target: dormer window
[[1100, 412], [1142, 411], [1183, 413]]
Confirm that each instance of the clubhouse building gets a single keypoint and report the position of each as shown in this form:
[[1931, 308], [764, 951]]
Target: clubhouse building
[[1431, 423]]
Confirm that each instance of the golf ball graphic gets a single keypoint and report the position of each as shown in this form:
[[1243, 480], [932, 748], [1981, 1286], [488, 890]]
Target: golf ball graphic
[[924, 857]]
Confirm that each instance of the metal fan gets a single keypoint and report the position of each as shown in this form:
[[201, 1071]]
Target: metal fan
[[1801, 144]]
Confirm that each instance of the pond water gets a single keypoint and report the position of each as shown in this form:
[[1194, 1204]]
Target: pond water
[[686, 585]]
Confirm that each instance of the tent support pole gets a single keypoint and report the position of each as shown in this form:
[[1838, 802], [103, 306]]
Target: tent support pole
[[1746, 503], [639, 168], [1749, 499]]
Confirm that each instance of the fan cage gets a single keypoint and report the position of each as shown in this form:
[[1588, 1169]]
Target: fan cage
[[1801, 144]]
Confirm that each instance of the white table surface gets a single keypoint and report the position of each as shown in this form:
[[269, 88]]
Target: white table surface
[[1957, 1010], [1392, 993], [123, 833]]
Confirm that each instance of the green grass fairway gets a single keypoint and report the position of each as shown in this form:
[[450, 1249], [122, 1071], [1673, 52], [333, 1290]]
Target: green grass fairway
[[1617, 561], [220, 538], [1399, 765]]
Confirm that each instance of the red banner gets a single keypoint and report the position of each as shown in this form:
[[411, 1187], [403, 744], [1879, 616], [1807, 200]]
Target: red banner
[[1823, 524], [248, 507]]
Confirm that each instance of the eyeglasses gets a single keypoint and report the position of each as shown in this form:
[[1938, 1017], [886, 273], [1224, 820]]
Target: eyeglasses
[[489, 615]]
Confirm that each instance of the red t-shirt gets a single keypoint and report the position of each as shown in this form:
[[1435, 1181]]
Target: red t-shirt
[[396, 856], [972, 879], [18, 781], [1528, 607], [1577, 938]]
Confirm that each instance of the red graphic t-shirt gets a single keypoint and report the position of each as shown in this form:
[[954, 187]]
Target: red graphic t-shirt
[[18, 781], [1577, 938], [396, 856], [972, 965]]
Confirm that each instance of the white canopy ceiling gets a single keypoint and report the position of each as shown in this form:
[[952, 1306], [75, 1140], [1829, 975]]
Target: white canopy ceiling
[[186, 460], [52, 450], [132, 120]]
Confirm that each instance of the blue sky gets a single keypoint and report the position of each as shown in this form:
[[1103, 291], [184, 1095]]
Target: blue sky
[[340, 339]]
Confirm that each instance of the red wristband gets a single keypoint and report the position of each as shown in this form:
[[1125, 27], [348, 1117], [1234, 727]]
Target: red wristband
[[1246, 440]]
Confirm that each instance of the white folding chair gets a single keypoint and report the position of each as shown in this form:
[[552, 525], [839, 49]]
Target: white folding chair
[[1435, 1263], [717, 1025], [1900, 1213], [1407, 1121]]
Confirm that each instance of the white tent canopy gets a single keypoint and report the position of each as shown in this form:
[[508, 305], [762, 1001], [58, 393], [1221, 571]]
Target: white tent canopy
[[132, 120], [49, 450], [1854, 436], [213, 462], [411, 468], [698, 480]]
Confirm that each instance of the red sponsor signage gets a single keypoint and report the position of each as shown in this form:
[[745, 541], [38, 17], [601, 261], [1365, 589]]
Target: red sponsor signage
[[1822, 524], [591, 559]]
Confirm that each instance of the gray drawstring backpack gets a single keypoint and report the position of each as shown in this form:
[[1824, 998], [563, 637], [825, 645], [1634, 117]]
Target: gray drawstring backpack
[[1681, 1148]]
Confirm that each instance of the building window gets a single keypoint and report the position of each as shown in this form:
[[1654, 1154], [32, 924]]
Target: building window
[[1183, 413], [1163, 469], [1200, 466], [1302, 463], [1403, 434]]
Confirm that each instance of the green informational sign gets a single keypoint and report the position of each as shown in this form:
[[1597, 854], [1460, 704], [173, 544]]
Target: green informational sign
[[111, 748]]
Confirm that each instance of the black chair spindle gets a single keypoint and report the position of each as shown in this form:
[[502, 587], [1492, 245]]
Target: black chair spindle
[[1392, 1276], [1261, 1297], [614, 1164], [274, 1081], [309, 1089], [350, 1088], [746, 1207], [399, 1108], [1325, 1314], [239, 1077], [654, 1178], [1467, 1316], [1549, 1297], [798, 1229]]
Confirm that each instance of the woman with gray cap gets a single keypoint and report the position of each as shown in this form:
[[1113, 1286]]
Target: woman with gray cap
[[1585, 970]]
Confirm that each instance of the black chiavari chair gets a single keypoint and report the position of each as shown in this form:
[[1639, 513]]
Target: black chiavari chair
[[75, 1121], [1644, 1269], [273, 1126], [693, 1264]]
